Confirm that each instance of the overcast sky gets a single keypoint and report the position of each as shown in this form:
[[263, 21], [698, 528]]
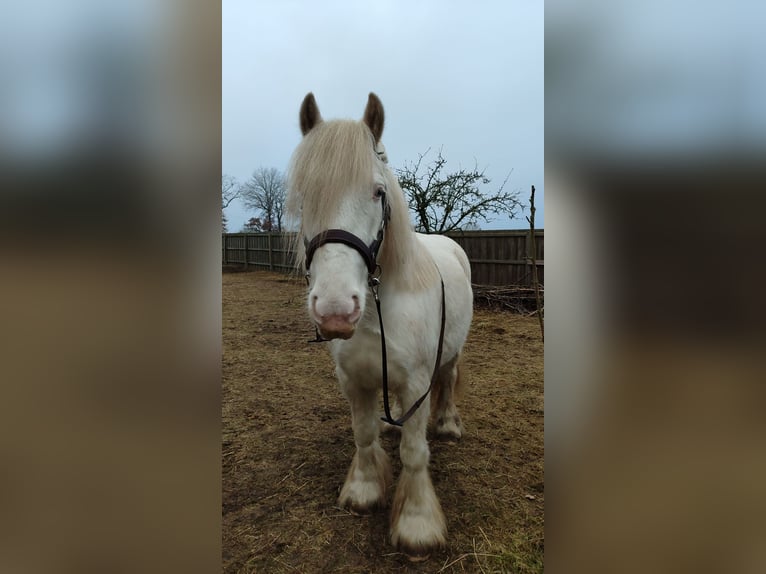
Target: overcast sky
[[465, 76]]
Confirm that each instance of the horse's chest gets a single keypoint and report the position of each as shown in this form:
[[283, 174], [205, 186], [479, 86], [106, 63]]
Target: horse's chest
[[361, 356], [362, 362]]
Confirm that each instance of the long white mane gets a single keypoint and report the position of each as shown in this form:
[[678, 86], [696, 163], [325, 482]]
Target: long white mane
[[335, 157]]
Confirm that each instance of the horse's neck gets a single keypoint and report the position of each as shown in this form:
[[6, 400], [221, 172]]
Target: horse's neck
[[410, 265]]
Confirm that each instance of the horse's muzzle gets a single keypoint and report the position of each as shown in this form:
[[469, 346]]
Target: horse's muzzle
[[335, 323], [336, 327]]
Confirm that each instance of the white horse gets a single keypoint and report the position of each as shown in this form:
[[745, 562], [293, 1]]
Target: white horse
[[355, 226]]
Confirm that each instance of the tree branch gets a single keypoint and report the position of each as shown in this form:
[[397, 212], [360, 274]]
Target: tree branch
[[443, 202]]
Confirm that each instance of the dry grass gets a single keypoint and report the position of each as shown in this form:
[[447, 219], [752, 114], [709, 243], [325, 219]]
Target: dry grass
[[287, 444]]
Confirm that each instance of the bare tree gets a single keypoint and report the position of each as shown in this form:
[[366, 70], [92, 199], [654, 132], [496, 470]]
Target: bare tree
[[443, 202], [265, 192], [230, 190]]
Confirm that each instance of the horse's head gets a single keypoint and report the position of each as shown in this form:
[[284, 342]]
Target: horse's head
[[338, 184]]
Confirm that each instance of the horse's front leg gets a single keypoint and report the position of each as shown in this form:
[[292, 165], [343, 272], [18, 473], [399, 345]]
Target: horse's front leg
[[370, 473], [417, 522]]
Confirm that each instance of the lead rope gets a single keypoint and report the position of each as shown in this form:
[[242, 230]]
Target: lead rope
[[374, 283]]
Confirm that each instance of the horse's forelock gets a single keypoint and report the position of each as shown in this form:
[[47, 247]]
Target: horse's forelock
[[336, 156], [333, 157]]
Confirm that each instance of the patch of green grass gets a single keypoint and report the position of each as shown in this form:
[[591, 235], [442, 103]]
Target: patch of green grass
[[524, 557]]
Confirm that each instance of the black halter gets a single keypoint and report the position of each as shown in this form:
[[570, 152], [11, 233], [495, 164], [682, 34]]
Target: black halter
[[368, 252], [370, 255]]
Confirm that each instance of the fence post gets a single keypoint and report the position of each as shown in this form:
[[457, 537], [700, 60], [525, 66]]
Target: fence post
[[246, 250], [271, 257], [533, 241]]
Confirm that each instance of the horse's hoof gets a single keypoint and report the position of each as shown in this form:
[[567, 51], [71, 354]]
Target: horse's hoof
[[360, 509], [448, 437], [419, 550], [448, 429], [415, 558], [415, 554]]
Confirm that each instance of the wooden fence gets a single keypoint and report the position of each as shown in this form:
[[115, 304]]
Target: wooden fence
[[260, 250], [497, 258]]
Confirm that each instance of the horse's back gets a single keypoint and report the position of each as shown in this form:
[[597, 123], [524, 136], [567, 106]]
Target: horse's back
[[447, 254]]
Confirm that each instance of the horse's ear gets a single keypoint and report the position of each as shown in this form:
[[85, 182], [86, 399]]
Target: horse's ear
[[373, 116], [310, 115]]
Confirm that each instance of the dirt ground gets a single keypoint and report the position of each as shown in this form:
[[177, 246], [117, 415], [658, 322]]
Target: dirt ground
[[287, 444]]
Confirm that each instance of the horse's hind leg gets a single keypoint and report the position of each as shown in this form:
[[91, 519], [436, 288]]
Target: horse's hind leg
[[370, 471], [448, 424]]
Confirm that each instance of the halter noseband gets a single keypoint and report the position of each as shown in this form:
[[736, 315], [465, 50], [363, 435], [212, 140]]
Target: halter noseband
[[368, 252]]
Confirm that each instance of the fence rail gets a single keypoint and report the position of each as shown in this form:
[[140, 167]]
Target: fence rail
[[497, 257]]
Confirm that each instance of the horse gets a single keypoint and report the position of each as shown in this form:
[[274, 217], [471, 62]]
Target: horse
[[354, 234]]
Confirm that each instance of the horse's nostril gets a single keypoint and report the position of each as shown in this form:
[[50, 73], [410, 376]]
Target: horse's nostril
[[355, 298]]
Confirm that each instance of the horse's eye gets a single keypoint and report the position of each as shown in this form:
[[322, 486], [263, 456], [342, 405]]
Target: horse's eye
[[380, 191]]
